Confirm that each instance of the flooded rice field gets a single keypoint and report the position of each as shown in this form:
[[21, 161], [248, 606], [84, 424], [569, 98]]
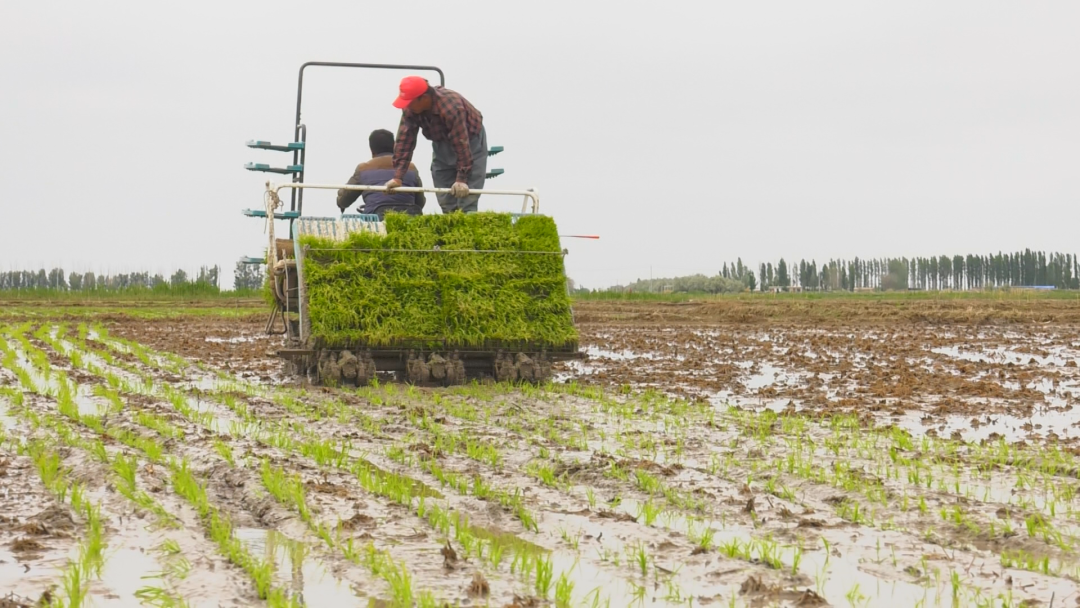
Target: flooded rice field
[[691, 460]]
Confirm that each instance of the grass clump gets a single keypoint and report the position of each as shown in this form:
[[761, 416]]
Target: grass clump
[[493, 282]]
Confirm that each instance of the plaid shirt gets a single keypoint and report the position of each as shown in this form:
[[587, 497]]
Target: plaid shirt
[[451, 118]]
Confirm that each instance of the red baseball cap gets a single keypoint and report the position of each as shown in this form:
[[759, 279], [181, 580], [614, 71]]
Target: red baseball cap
[[411, 87]]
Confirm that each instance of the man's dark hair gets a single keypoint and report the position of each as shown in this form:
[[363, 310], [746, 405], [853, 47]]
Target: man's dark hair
[[381, 141]]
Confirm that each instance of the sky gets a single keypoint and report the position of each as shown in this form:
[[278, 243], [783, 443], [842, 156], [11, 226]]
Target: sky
[[685, 134]]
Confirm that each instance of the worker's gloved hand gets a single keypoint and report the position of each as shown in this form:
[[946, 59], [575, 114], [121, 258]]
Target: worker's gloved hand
[[459, 190], [394, 183]]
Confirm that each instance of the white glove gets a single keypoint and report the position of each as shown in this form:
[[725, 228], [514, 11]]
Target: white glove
[[459, 190], [394, 183]]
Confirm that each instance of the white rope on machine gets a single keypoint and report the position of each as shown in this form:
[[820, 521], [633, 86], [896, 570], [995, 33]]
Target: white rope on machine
[[273, 203]]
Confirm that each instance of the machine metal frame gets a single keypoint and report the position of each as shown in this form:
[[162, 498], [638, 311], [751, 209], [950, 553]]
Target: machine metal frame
[[416, 364]]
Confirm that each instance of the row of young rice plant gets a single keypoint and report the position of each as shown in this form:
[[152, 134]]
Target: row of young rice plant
[[184, 483], [520, 556], [646, 411], [645, 482], [373, 480], [122, 473], [768, 427], [894, 470], [184, 477], [481, 451]]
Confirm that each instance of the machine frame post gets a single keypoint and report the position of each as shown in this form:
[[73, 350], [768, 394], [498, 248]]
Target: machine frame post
[[297, 203]]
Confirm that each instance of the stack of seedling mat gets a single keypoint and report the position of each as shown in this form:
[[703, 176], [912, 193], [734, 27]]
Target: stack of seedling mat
[[439, 283]]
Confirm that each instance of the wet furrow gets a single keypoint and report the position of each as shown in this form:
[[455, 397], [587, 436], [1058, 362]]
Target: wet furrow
[[686, 468], [360, 470], [826, 508], [89, 434]]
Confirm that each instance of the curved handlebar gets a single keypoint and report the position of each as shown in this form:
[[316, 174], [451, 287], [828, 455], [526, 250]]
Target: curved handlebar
[[530, 195]]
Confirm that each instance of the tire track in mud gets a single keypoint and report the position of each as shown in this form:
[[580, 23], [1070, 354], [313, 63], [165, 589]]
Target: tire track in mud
[[968, 381]]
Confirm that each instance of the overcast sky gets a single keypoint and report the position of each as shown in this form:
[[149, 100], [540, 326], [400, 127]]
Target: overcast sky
[[684, 133]]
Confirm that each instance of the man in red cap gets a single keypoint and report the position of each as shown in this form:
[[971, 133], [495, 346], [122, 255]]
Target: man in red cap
[[458, 139]]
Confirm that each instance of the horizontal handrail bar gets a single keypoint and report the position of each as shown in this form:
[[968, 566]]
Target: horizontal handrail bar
[[528, 194]]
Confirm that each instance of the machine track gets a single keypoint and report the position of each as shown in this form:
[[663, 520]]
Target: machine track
[[342, 367]]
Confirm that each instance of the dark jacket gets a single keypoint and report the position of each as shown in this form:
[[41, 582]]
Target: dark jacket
[[377, 172]]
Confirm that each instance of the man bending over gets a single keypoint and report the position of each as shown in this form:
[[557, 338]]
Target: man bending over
[[458, 141]]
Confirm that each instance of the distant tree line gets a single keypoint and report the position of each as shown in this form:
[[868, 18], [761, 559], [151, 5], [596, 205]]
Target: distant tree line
[[57, 280], [959, 272], [697, 283]]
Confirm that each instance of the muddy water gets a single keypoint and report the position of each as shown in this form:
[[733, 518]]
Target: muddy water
[[30, 578], [1029, 385], [126, 571], [308, 580], [893, 555]]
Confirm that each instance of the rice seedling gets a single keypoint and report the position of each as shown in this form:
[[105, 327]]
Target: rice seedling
[[768, 552], [596, 601], [148, 446], [159, 425], [91, 551], [672, 592], [854, 596], [225, 451], [75, 583], [649, 511], [647, 482], [544, 570], [543, 472], [641, 557], [796, 559], [573, 540], [564, 589], [160, 597], [286, 488], [116, 405], [125, 469], [518, 283], [48, 466]]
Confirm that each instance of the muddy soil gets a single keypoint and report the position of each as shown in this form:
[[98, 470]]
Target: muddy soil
[[976, 369], [699, 456]]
